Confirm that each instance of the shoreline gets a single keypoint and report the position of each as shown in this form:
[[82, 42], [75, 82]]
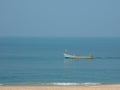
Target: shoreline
[[60, 84], [57, 84], [94, 87]]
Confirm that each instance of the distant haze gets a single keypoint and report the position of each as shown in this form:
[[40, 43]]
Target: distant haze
[[60, 18]]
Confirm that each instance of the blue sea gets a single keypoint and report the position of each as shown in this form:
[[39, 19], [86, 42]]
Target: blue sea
[[40, 61]]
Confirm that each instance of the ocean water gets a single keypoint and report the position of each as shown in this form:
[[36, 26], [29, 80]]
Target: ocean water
[[40, 61]]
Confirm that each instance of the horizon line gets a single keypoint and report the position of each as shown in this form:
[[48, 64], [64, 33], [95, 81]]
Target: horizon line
[[57, 37]]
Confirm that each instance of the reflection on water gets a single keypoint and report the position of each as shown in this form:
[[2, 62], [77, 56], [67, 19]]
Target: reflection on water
[[76, 60]]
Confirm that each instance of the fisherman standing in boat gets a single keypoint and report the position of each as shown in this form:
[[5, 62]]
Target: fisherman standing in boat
[[65, 51]]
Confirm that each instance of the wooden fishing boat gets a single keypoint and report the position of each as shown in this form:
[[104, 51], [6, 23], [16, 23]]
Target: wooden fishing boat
[[71, 56]]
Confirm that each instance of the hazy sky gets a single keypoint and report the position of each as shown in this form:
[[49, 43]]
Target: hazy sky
[[62, 18]]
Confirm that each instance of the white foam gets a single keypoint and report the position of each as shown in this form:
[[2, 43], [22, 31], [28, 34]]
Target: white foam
[[66, 84], [58, 84], [75, 84], [90, 84]]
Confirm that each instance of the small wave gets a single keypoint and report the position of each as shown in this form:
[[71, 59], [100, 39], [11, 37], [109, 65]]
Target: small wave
[[1, 84], [66, 84], [72, 84], [90, 84], [53, 84]]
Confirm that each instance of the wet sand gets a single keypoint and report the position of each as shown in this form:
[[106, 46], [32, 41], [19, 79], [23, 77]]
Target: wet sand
[[98, 87]]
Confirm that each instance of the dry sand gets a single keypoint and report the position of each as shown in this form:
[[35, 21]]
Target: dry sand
[[99, 87]]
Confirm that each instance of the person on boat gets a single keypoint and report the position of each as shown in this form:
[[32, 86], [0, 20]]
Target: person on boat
[[65, 51]]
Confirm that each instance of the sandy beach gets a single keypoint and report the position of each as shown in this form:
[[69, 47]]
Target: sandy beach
[[99, 87]]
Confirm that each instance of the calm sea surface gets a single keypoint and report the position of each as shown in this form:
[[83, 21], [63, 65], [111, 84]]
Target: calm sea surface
[[40, 61]]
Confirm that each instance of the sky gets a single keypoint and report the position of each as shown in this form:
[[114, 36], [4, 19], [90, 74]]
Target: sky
[[60, 18]]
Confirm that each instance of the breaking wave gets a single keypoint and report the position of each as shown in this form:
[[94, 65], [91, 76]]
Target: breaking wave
[[76, 84], [52, 84]]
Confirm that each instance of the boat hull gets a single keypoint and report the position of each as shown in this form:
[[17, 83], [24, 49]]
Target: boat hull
[[69, 56]]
